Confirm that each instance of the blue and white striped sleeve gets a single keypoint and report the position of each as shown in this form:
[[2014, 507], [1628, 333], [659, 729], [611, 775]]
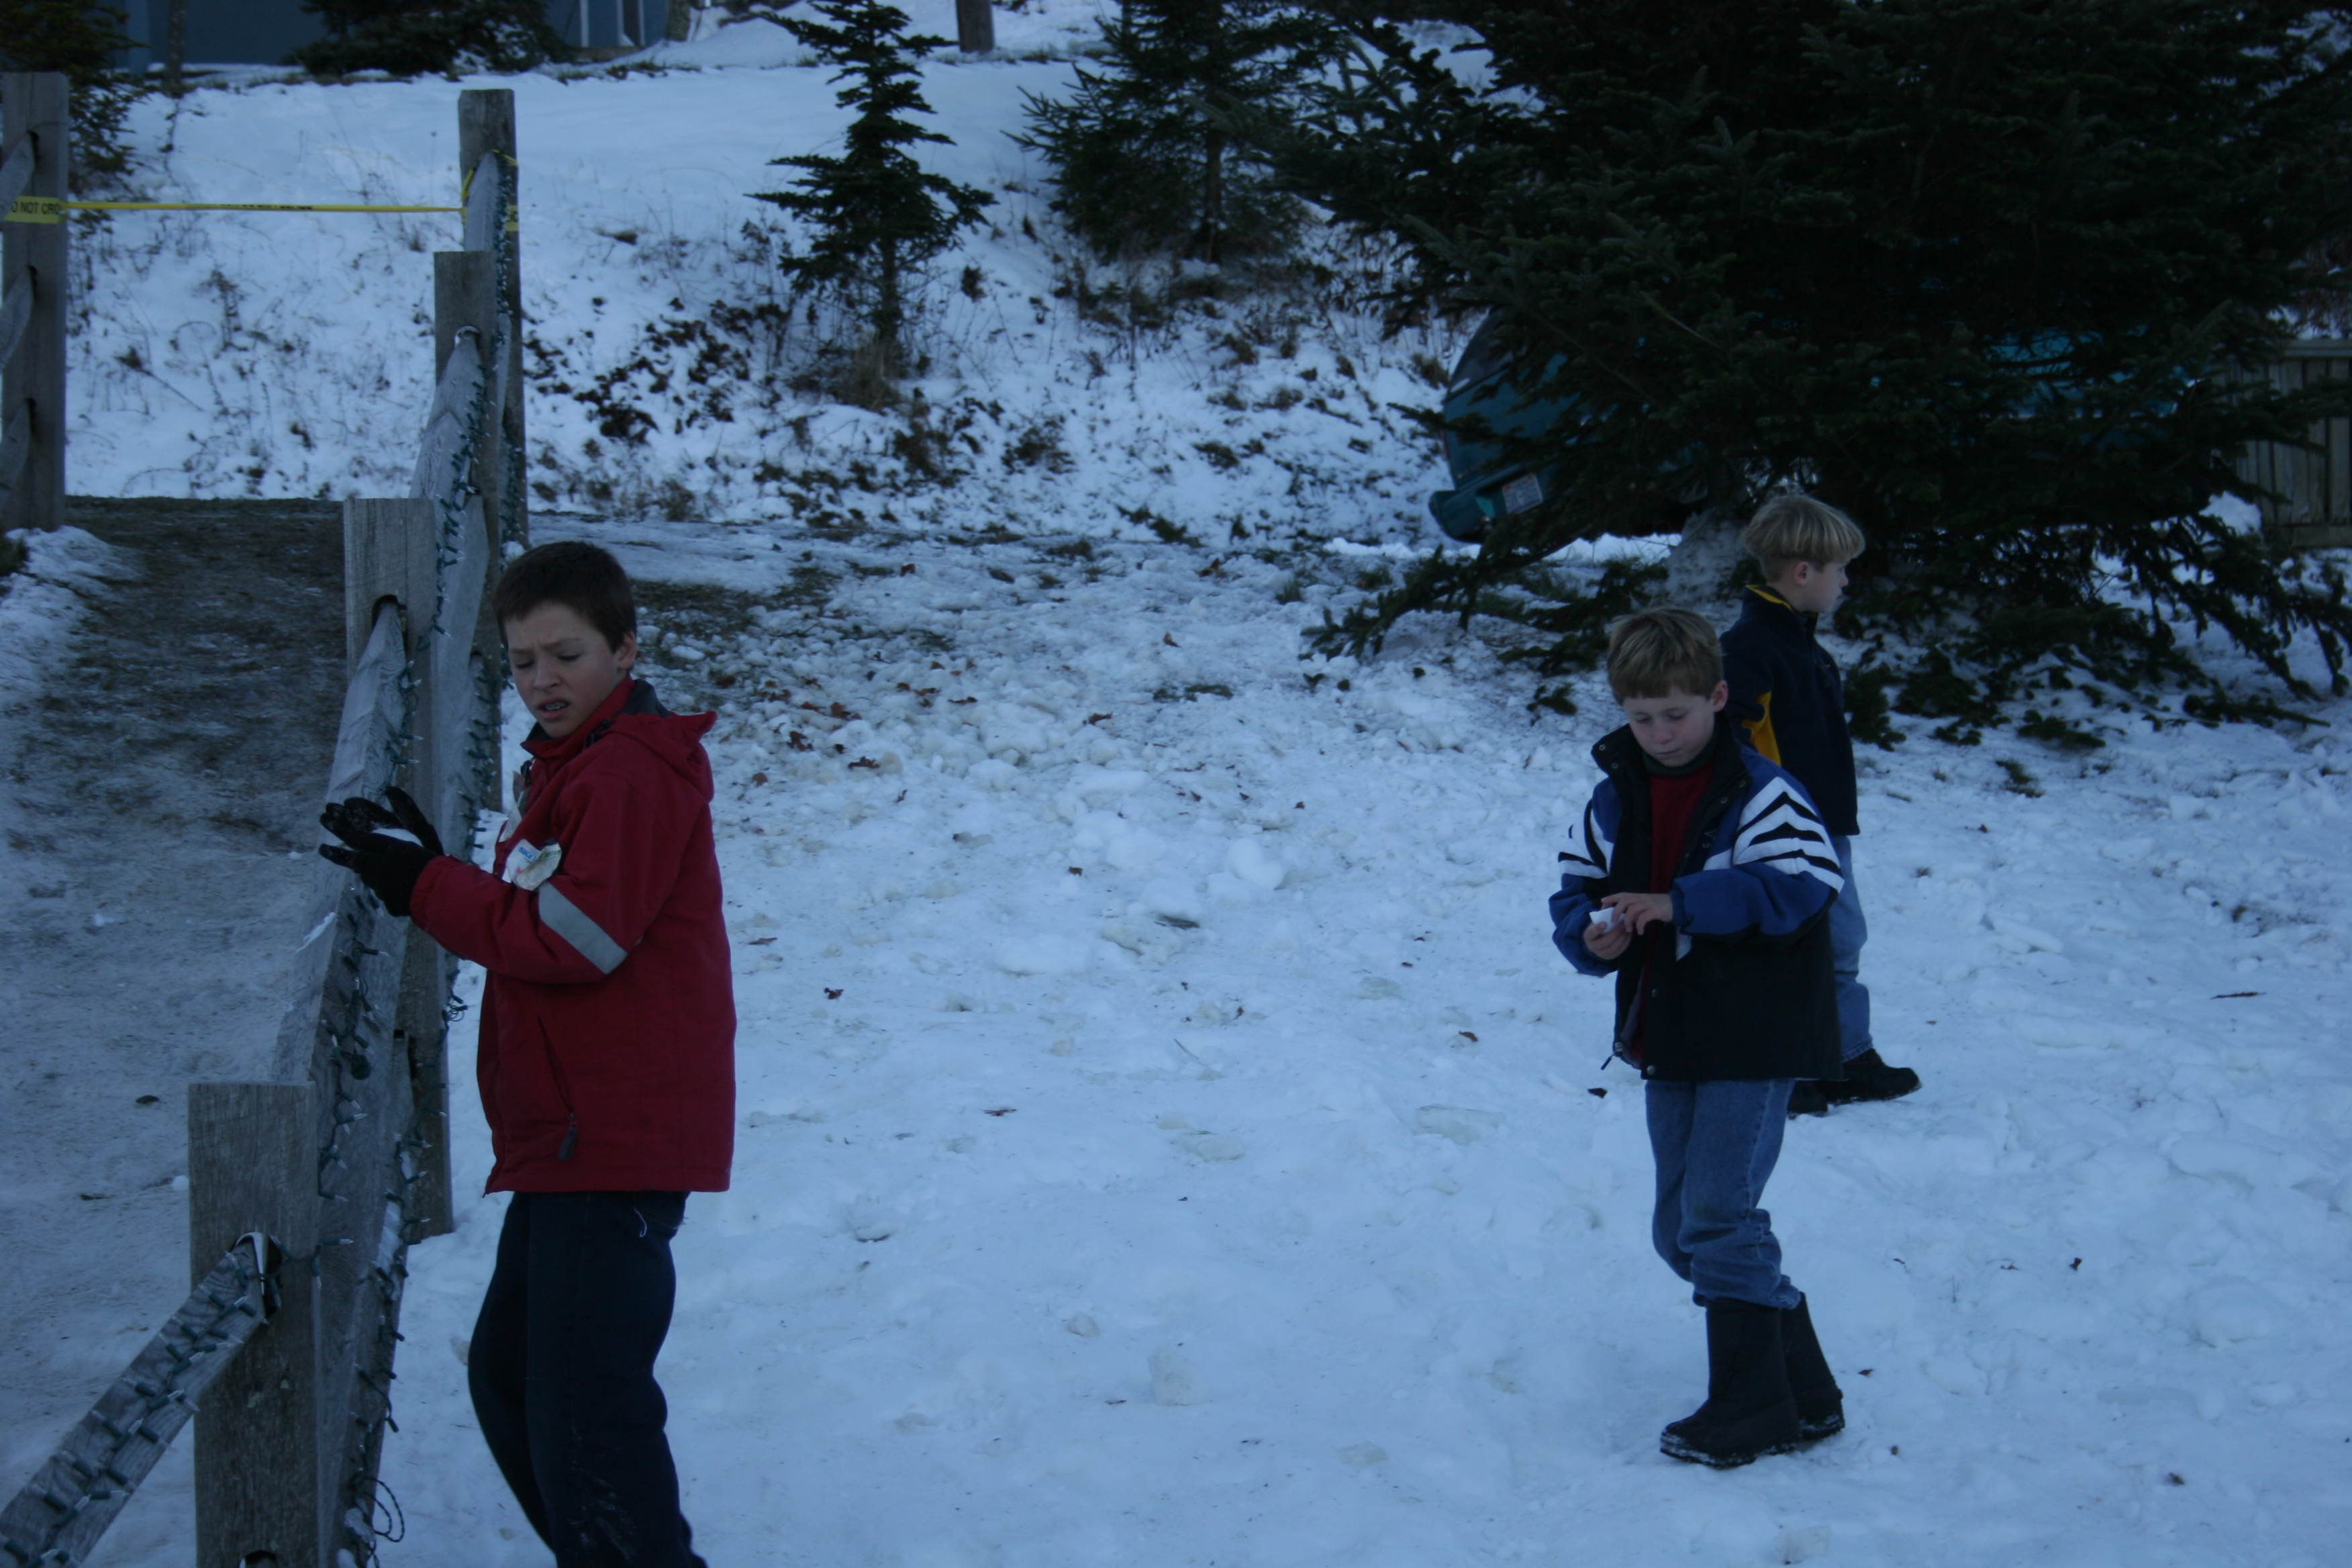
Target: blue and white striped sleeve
[[1778, 875], [1591, 843]]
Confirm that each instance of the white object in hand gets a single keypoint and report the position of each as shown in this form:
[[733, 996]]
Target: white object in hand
[[1606, 915]]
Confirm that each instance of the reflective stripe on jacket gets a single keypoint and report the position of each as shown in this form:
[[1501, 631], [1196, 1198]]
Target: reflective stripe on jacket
[[607, 1056]]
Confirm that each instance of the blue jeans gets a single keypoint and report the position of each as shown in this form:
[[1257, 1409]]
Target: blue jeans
[[561, 1371], [1715, 1144], [1848, 931]]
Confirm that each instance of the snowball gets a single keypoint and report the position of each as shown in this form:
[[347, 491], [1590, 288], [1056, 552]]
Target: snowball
[[1174, 1379], [1251, 862], [1211, 1146]]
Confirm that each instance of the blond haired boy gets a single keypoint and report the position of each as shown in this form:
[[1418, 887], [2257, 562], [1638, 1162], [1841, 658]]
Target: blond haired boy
[[1699, 877], [1786, 693]]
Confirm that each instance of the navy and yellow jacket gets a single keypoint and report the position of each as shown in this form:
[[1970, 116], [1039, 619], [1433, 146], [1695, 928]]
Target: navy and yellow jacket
[[1786, 691], [1740, 983]]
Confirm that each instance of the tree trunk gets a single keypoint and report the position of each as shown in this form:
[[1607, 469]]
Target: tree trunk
[[1209, 239], [176, 47], [975, 27]]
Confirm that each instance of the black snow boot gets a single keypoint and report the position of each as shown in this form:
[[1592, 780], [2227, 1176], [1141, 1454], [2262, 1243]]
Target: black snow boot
[[1806, 1099], [1868, 1077], [1821, 1403], [1749, 1411]]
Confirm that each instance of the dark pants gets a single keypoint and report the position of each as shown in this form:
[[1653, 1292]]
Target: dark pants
[[562, 1371], [1716, 1144]]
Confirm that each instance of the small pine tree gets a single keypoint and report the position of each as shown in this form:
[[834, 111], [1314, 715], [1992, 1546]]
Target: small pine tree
[[1141, 163], [873, 212], [416, 38]]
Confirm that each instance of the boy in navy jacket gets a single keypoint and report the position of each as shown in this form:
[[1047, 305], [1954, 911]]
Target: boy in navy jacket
[[1786, 693], [1700, 877]]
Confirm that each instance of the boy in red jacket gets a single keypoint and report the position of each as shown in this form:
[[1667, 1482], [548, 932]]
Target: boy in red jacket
[[606, 1061]]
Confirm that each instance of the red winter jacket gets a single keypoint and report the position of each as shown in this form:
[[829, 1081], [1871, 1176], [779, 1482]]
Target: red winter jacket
[[607, 1056]]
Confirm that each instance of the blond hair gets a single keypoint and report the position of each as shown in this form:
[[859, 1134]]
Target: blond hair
[[1793, 528], [1662, 650]]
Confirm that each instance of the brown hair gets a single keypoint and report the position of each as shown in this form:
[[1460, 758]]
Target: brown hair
[[1657, 652], [582, 578], [1793, 528]]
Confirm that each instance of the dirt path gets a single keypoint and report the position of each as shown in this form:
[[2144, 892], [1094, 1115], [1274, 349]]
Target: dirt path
[[163, 790]]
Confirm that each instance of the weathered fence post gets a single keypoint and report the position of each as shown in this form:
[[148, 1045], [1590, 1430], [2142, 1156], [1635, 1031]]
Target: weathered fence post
[[390, 553], [260, 1462], [486, 127], [975, 27], [34, 154]]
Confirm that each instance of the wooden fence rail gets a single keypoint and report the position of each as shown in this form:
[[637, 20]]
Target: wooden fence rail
[[334, 1166]]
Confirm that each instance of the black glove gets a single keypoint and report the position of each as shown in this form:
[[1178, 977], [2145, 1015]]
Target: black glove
[[388, 865]]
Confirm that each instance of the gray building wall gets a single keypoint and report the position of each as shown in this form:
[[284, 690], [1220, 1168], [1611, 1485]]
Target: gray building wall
[[264, 32]]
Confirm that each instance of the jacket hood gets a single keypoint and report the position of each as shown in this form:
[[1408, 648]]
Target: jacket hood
[[675, 738]]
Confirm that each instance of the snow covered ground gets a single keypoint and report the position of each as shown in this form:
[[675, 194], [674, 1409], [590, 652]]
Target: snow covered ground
[[1167, 1135]]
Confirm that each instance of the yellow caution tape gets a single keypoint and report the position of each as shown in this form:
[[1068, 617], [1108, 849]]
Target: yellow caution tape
[[49, 209]]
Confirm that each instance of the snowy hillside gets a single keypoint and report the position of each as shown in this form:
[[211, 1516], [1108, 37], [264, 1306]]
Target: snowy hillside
[[230, 353], [1166, 1134]]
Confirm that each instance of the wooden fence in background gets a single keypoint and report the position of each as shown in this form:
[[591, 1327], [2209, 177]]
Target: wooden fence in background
[[2314, 482], [307, 1188]]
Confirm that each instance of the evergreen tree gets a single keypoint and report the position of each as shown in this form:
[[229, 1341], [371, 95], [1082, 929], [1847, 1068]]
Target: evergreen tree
[[80, 40], [873, 213], [1139, 162], [413, 38], [1988, 274]]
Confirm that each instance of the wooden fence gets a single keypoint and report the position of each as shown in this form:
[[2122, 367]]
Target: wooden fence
[[34, 154], [2314, 482], [306, 1189], [343, 1154]]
